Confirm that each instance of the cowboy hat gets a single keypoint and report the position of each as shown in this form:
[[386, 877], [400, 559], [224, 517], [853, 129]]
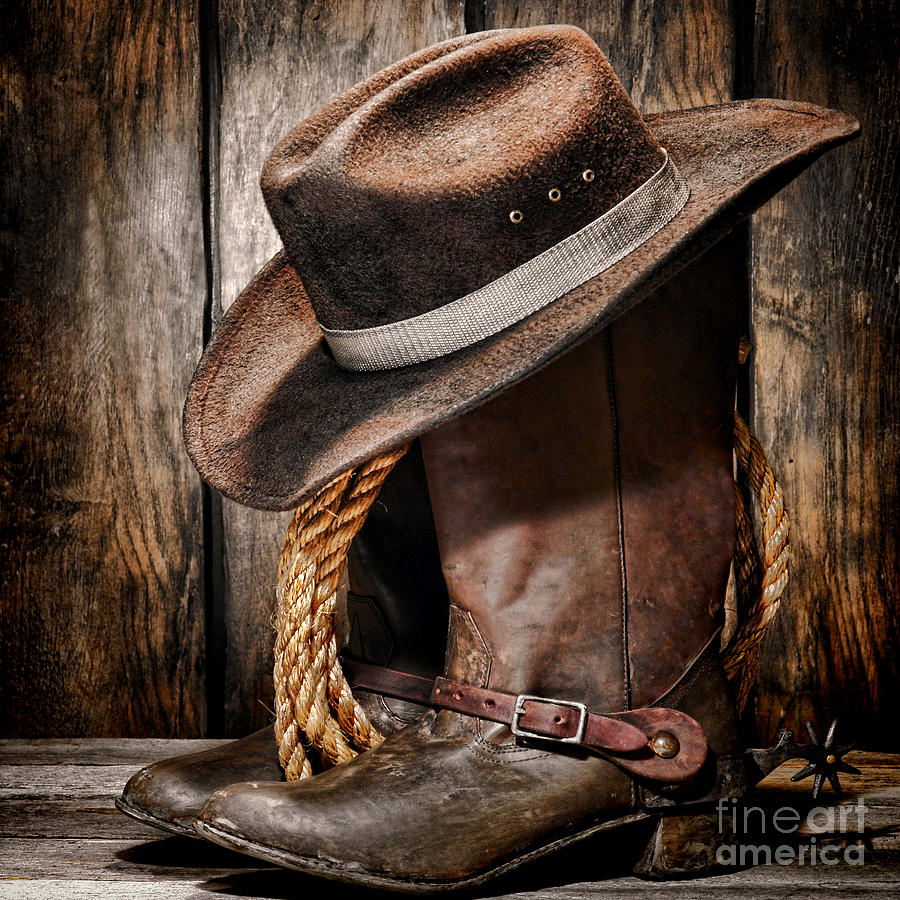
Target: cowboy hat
[[450, 226]]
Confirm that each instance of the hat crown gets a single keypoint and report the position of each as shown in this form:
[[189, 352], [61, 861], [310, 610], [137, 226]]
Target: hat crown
[[440, 174]]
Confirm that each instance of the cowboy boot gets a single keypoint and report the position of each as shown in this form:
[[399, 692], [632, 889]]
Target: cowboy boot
[[394, 614], [586, 524]]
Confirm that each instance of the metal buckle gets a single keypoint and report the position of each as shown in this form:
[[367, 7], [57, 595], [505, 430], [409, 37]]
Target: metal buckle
[[519, 711]]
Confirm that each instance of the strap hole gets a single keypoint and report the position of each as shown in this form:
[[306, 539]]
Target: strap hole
[[489, 704], [457, 695], [558, 720]]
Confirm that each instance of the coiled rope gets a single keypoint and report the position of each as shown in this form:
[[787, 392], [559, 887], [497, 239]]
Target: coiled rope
[[313, 700], [312, 696]]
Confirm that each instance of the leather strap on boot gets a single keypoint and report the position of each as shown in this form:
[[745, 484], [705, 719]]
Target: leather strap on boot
[[657, 743]]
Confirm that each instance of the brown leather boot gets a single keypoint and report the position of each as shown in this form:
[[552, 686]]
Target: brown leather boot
[[395, 615], [586, 523]]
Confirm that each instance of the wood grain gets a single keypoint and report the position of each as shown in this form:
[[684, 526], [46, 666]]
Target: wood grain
[[667, 55], [63, 781], [96, 751], [278, 64], [101, 611], [827, 373], [91, 889], [117, 860]]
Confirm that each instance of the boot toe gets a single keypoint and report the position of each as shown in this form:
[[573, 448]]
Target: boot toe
[[258, 818], [252, 818], [170, 794], [163, 798]]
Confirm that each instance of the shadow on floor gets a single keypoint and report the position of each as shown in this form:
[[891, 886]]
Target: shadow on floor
[[614, 850]]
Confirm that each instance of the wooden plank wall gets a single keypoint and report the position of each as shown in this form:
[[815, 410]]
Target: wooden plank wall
[[826, 320], [101, 576], [135, 602]]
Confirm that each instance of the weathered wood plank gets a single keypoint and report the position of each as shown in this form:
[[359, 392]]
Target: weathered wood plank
[[107, 860], [667, 55], [827, 373], [70, 889], [101, 613], [63, 782], [879, 774], [93, 818], [278, 65], [97, 751], [170, 891]]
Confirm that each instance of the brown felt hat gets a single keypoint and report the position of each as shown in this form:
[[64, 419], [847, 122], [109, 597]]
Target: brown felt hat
[[452, 224]]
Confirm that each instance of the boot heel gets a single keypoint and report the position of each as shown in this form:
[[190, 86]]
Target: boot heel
[[681, 845]]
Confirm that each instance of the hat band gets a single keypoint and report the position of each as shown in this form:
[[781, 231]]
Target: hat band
[[521, 291]]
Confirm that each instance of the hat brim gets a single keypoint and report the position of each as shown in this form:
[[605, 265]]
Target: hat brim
[[270, 417]]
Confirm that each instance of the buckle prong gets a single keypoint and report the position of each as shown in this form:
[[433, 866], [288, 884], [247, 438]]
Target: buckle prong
[[519, 711]]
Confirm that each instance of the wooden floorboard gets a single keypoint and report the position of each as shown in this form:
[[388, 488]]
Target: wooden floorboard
[[61, 837], [135, 752]]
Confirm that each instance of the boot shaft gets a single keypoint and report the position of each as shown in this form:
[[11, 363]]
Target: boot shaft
[[586, 516]]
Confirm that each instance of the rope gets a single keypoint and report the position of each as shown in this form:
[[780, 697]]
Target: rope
[[758, 597], [312, 696], [747, 566]]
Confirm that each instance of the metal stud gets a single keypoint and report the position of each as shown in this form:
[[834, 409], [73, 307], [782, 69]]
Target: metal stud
[[554, 195], [516, 216], [664, 744], [588, 175]]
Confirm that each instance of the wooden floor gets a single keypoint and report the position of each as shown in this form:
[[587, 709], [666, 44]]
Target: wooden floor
[[62, 837]]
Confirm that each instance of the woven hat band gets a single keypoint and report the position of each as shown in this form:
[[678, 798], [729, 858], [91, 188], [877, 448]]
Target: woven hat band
[[521, 291]]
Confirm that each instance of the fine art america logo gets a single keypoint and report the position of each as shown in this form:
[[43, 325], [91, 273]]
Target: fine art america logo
[[821, 836]]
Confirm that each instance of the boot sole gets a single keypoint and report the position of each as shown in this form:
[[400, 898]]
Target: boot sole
[[146, 818], [337, 871]]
